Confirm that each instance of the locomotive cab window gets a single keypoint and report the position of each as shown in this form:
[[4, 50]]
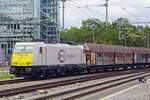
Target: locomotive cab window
[[19, 49], [23, 49], [29, 49]]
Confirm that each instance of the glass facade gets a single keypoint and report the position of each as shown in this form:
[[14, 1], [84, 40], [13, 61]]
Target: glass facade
[[49, 14], [25, 20]]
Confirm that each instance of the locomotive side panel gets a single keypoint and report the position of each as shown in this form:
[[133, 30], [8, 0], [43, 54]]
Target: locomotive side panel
[[39, 54], [61, 55]]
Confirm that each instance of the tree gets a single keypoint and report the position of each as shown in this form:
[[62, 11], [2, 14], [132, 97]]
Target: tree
[[94, 30]]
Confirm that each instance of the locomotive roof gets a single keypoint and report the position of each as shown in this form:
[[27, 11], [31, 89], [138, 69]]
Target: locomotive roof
[[49, 45], [64, 45], [28, 43]]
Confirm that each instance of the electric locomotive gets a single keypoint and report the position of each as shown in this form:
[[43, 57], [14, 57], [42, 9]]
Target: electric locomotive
[[39, 59]]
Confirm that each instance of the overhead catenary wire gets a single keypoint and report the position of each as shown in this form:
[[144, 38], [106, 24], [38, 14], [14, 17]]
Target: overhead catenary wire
[[94, 12], [134, 17], [124, 9], [88, 11], [91, 9], [83, 11], [103, 5], [78, 5]]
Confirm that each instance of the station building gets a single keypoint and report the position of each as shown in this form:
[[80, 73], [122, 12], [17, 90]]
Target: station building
[[27, 20]]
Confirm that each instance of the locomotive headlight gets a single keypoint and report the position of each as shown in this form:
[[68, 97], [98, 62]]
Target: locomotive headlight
[[29, 63], [14, 63], [28, 70]]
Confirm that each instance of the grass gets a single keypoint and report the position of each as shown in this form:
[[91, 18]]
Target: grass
[[4, 74]]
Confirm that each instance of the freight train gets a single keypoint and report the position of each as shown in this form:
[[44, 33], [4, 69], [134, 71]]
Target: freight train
[[38, 59]]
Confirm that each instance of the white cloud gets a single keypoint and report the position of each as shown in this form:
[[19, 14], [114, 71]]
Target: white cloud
[[131, 9]]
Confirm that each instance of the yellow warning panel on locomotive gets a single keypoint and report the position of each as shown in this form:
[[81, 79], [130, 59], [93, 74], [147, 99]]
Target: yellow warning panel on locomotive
[[22, 59]]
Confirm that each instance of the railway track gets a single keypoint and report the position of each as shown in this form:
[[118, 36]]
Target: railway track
[[27, 89], [12, 81], [72, 94]]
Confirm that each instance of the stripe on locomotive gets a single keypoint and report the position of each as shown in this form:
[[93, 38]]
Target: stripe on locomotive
[[22, 59]]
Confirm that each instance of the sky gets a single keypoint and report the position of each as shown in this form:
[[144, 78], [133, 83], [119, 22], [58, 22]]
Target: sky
[[76, 11]]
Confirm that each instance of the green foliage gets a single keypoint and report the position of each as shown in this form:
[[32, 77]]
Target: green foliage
[[5, 76], [94, 30]]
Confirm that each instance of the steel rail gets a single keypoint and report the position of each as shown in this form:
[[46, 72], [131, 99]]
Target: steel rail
[[45, 97], [26, 89], [3, 82], [100, 89]]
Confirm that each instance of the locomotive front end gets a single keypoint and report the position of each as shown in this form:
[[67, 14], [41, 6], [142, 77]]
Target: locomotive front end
[[22, 59]]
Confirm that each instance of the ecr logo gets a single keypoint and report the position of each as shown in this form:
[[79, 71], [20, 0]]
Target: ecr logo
[[61, 56]]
